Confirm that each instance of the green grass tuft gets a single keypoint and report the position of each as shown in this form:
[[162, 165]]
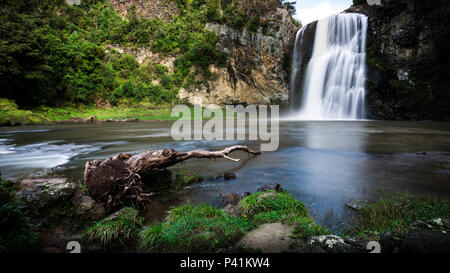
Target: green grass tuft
[[396, 213], [272, 201], [119, 229], [192, 228]]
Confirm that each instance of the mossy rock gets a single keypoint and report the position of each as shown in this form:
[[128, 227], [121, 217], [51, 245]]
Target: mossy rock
[[271, 201], [185, 178]]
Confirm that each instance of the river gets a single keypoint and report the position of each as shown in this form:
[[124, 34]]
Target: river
[[323, 163]]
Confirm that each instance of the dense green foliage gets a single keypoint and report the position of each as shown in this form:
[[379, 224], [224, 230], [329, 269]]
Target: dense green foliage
[[55, 54], [118, 229], [15, 233], [397, 213], [52, 52]]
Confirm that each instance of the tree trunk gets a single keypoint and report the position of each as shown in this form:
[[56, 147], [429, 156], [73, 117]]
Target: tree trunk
[[117, 181]]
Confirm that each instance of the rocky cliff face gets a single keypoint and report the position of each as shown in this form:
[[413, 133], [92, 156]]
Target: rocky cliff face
[[158, 9], [255, 71], [408, 59]]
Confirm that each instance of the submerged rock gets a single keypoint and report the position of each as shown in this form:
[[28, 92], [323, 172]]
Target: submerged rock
[[229, 175], [272, 186], [357, 204], [228, 198]]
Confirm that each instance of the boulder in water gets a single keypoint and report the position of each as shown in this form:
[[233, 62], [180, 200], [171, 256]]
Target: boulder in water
[[357, 204], [229, 175], [229, 198], [272, 186]]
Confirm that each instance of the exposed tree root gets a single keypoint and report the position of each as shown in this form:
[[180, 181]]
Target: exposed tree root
[[117, 181]]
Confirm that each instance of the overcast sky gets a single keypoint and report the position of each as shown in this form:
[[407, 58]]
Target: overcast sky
[[311, 10]]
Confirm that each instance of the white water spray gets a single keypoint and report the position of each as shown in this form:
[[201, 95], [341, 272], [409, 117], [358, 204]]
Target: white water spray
[[335, 78]]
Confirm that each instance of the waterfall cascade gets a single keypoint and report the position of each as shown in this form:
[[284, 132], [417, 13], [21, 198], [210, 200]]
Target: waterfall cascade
[[334, 86], [296, 67]]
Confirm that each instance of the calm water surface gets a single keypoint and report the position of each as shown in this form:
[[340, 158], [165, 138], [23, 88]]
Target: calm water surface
[[322, 163]]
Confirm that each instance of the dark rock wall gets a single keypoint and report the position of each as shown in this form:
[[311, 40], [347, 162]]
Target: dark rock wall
[[306, 49], [408, 59]]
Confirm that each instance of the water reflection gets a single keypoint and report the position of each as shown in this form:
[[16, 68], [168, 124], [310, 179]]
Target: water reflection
[[322, 163]]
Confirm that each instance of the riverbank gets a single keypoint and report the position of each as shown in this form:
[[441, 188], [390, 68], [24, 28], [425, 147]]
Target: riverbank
[[269, 220], [11, 115]]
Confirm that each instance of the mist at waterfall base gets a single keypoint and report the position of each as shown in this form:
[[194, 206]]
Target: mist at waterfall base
[[334, 83]]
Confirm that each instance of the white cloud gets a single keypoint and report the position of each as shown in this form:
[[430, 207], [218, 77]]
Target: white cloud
[[320, 11]]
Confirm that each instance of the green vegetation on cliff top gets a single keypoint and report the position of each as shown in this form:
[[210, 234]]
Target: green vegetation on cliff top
[[64, 56]]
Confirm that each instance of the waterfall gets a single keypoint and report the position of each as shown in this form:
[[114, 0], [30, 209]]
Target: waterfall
[[296, 67], [334, 85]]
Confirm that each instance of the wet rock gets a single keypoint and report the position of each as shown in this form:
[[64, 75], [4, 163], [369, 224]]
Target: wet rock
[[232, 210], [331, 244], [229, 175], [272, 186], [422, 237], [228, 198], [38, 193], [357, 204], [244, 194], [88, 208]]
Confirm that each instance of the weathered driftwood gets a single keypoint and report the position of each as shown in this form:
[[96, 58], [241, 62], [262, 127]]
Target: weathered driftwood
[[117, 181], [90, 119]]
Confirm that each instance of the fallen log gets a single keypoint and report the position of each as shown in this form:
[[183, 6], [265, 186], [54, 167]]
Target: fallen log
[[117, 181], [90, 119]]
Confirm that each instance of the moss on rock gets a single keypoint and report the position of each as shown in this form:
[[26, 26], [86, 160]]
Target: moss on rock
[[185, 178]]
